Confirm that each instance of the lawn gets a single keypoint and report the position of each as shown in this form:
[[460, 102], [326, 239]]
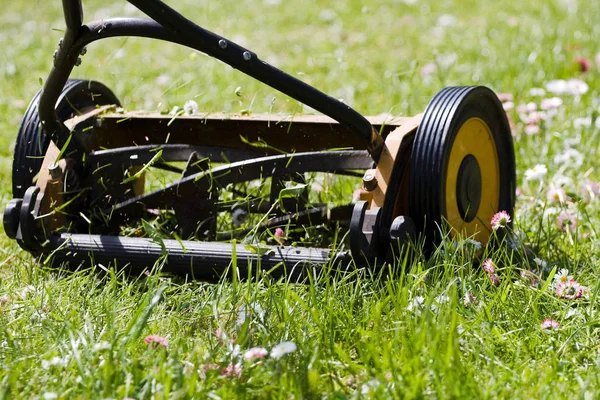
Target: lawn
[[523, 325]]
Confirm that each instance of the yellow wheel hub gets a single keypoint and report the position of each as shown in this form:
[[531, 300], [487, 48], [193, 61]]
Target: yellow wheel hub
[[472, 181]]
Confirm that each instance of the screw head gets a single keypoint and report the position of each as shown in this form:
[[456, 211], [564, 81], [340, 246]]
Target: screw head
[[78, 62], [83, 51], [222, 43], [54, 170], [247, 56], [370, 180]]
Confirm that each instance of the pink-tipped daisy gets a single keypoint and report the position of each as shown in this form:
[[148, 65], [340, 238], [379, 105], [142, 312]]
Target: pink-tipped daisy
[[232, 370], [570, 290], [562, 276], [566, 222], [500, 220], [255, 353], [279, 236], [488, 266], [582, 64], [504, 97], [556, 194], [549, 324], [469, 299], [529, 277], [205, 368], [159, 340], [495, 279]]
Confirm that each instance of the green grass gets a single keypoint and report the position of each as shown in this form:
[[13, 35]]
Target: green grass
[[404, 333]]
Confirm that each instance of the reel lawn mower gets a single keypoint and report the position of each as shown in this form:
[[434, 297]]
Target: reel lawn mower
[[82, 169]]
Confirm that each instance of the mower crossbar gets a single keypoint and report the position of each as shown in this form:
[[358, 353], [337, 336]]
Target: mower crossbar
[[207, 261], [282, 133]]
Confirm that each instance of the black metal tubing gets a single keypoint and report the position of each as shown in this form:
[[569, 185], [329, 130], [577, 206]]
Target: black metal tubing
[[139, 155], [332, 161], [206, 261], [167, 24]]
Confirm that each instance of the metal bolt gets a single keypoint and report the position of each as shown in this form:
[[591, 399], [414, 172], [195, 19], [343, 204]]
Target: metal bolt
[[369, 180], [222, 43], [83, 51], [54, 170], [247, 56], [78, 62]]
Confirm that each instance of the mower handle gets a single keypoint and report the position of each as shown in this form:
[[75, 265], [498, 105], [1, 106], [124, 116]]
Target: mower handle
[[167, 24]]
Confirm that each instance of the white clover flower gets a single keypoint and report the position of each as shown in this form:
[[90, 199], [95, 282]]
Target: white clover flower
[[562, 181], [235, 350], [540, 263], [536, 173], [163, 80], [505, 97], [416, 304], [551, 103], [282, 349], [577, 87], [583, 122], [537, 92], [442, 298], [190, 107], [572, 141], [573, 87], [472, 242], [258, 310], [527, 108], [551, 211], [101, 346], [589, 190], [446, 60], [446, 20], [438, 301], [427, 71], [24, 292], [570, 157], [241, 317], [532, 129], [39, 315], [55, 362], [367, 387], [557, 86], [243, 313]]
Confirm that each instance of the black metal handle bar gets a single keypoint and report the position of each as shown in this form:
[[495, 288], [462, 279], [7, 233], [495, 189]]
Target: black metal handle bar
[[167, 24]]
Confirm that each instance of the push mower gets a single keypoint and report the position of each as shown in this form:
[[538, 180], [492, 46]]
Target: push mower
[[83, 193]]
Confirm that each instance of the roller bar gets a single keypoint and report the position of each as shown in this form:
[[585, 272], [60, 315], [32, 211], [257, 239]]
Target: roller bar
[[207, 261]]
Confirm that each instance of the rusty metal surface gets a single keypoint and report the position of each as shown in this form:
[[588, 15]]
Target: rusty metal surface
[[277, 133]]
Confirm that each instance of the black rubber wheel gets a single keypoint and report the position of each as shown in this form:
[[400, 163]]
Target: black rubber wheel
[[462, 165], [32, 142]]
